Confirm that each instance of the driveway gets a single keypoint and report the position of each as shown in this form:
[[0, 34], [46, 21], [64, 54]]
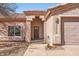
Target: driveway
[[39, 49]]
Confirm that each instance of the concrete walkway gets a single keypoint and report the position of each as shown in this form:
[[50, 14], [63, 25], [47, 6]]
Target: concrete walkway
[[36, 49], [39, 49]]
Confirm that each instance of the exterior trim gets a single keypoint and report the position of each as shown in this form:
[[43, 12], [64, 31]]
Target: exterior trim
[[34, 13], [12, 20]]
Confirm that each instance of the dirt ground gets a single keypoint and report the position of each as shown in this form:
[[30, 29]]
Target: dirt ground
[[13, 48]]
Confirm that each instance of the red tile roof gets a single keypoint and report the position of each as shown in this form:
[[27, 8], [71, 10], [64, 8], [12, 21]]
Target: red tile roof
[[36, 13]]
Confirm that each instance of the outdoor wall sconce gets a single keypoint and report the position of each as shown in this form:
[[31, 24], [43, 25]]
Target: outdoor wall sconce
[[57, 21]]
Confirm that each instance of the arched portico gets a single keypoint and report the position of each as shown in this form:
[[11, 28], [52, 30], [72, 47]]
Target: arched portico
[[35, 28]]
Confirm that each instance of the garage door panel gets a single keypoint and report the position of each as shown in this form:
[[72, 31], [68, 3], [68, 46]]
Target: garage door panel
[[71, 32]]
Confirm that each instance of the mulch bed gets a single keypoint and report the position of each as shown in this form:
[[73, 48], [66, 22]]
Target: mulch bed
[[13, 48]]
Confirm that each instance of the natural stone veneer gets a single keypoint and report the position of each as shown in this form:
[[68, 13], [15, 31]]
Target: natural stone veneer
[[4, 31], [28, 31]]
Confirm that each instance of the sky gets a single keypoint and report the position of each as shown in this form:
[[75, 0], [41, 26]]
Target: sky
[[34, 6]]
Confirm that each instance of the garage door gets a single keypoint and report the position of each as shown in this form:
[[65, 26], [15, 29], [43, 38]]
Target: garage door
[[71, 31]]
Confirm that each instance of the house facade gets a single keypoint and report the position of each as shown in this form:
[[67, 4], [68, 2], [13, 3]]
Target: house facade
[[58, 25], [65, 24]]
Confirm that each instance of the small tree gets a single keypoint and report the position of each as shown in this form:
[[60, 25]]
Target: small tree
[[8, 8]]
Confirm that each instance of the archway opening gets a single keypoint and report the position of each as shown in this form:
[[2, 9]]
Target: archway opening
[[37, 28]]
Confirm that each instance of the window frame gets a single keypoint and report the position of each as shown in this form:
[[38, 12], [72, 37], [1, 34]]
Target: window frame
[[14, 28]]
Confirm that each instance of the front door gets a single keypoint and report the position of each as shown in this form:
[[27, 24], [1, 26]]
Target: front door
[[36, 32]]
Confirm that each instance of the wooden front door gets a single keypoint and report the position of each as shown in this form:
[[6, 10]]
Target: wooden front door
[[36, 32]]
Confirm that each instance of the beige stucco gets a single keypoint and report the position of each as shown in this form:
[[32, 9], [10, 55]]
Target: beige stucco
[[45, 32], [73, 12], [52, 19], [49, 31]]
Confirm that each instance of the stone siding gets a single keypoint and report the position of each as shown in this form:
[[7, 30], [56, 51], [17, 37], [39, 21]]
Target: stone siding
[[4, 31]]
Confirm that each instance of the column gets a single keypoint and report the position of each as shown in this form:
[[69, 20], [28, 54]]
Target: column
[[28, 28], [28, 31]]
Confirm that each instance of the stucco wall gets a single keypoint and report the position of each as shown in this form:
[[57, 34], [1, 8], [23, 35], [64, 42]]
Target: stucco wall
[[73, 12], [4, 31], [49, 30], [45, 32]]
